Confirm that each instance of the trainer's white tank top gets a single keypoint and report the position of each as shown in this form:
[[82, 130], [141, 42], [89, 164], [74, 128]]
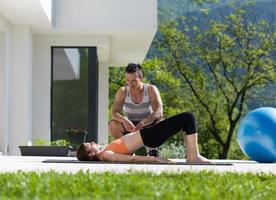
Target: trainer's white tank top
[[137, 112]]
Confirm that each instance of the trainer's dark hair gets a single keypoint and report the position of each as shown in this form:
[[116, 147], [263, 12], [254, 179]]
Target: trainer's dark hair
[[134, 68]]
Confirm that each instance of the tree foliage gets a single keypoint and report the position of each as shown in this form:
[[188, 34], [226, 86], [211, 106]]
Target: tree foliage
[[171, 9], [222, 61]]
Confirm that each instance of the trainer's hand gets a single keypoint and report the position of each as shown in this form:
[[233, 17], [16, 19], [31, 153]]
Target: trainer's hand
[[139, 126], [129, 126], [162, 160]]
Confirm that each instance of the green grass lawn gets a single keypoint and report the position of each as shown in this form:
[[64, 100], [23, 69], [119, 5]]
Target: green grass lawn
[[137, 185]]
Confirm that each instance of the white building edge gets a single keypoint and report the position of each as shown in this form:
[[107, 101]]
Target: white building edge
[[121, 30]]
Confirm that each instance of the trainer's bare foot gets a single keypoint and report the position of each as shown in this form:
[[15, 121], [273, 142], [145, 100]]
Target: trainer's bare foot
[[198, 159]]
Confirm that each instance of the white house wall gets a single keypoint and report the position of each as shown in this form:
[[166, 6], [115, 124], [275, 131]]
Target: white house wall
[[20, 87], [42, 80], [136, 41], [3, 92], [28, 12], [103, 103], [4, 84], [106, 16], [131, 24]]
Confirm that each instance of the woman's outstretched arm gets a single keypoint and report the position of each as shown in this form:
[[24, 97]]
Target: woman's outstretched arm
[[116, 157]]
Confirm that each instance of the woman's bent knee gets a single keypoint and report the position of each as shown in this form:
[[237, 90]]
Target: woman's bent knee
[[191, 126], [190, 116]]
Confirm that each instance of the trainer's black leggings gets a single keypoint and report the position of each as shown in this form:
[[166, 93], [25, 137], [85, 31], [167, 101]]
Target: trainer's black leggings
[[157, 134]]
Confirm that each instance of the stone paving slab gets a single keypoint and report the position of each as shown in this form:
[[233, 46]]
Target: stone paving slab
[[29, 163]]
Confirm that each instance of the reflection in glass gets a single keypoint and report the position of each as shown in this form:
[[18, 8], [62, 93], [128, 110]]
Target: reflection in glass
[[69, 95]]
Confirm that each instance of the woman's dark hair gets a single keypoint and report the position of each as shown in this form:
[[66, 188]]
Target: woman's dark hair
[[134, 68], [82, 154]]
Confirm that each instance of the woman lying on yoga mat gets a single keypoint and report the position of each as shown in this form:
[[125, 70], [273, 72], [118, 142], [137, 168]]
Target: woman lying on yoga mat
[[123, 148]]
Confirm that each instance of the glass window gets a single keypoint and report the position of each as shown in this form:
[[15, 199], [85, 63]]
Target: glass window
[[69, 94]]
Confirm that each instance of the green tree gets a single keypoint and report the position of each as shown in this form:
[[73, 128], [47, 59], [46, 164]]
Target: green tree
[[222, 63], [171, 9]]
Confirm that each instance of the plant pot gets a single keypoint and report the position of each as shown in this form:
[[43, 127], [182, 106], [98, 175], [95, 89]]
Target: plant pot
[[44, 150]]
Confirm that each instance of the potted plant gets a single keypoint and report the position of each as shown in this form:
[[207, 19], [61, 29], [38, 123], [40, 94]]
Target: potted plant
[[44, 148]]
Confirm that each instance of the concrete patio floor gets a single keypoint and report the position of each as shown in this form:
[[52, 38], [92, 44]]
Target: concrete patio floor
[[28, 163]]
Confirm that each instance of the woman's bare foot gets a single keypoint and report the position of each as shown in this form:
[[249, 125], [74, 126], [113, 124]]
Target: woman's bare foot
[[198, 159]]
